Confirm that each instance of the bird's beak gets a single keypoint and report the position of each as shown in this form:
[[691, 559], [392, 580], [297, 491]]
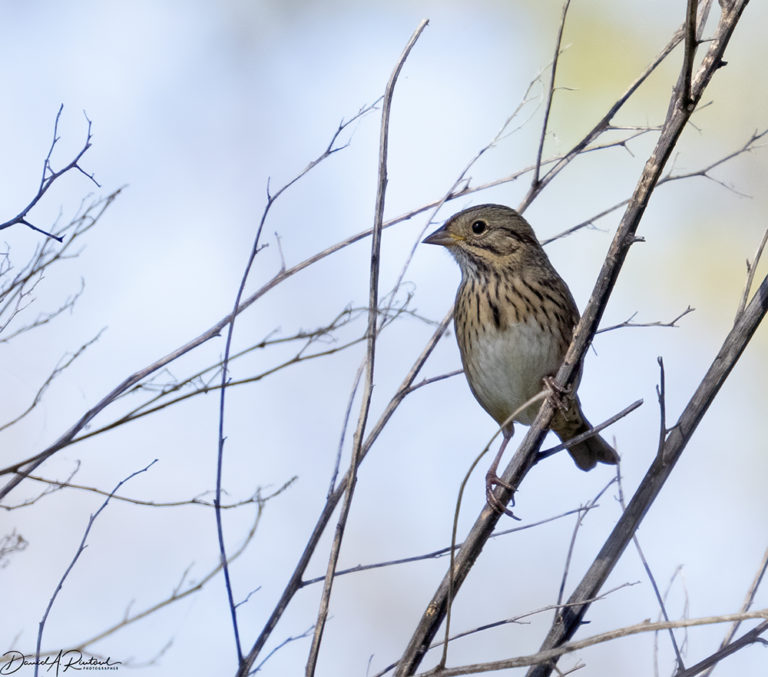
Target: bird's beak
[[442, 237]]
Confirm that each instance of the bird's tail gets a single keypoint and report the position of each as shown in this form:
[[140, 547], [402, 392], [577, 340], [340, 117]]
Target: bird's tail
[[591, 451]]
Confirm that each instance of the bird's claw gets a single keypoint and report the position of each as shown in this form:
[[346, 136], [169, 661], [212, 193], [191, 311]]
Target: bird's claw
[[493, 480], [559, 394]]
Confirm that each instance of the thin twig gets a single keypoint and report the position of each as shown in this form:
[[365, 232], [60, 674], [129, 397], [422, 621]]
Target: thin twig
[[750, 597], [751, 268], [152, 504], [628, 322], [141, 411], [63, 363], [594, 430], [177, 593], [16, 292], [442, 552], [345, 424], [285, 642], [711, 661], [71, 566], [668, 178], [435, 379], [651, 578], [572, 544], [662, 397], [550, 92]]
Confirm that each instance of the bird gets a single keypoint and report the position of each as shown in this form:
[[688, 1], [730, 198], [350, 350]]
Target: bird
[[514, 318]]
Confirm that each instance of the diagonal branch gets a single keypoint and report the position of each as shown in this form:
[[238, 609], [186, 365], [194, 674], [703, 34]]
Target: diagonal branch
[[745, 640], [728, 642]]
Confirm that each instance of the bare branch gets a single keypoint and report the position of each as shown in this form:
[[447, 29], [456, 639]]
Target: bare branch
[[577, 525], [703, 172], [49, 488], [198, 500], [442, 552], [44, 318], [651, 578], [434, 379], [661, 394], [178, 593], [745, 640], [285, 642], [16, 293], [62, 365], [594, 430], [204, 386], [49, 176], [628, 322], [342, 437], [230, 324]]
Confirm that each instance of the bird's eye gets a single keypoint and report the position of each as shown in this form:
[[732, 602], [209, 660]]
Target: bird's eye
[[479, 227]]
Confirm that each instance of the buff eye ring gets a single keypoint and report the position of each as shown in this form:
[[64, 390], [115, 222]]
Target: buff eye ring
[[478, 227]]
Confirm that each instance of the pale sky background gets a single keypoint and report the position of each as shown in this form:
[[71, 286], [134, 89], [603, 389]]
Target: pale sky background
[[194, 105]]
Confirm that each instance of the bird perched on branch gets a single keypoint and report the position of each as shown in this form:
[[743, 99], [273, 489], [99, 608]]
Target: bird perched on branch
[[514, 319]]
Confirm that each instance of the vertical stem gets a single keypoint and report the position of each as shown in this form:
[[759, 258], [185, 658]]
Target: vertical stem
[[373, 303]]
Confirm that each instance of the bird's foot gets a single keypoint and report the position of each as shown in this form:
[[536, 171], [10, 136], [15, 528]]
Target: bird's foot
[[561, 395], [492, 480]]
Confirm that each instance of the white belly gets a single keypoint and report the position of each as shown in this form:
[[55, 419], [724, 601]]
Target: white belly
[[507, 367]]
